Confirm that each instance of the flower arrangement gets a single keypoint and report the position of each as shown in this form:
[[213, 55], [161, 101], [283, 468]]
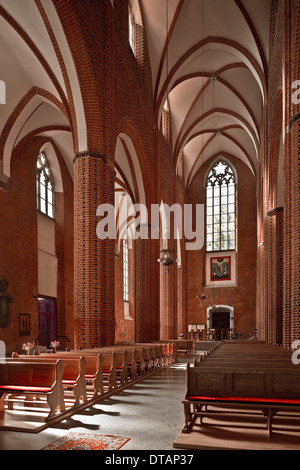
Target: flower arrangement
[[54, 344], [28, 346]]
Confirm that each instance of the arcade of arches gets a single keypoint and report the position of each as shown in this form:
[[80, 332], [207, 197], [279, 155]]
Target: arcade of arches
[[191, 103]]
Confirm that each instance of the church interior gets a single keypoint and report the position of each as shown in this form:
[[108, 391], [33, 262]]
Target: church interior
[[150, 203]]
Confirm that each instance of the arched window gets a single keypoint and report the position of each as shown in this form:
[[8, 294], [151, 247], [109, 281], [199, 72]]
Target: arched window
[[125, 269], [220, 208], [44, 186]]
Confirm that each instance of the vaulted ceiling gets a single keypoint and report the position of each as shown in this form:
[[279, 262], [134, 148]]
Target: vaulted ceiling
[[209, 59]]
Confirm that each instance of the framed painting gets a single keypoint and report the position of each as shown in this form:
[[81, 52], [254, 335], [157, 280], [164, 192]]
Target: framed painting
[[220, 269], [24, 324]]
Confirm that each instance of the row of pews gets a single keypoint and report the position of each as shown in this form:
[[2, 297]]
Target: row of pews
[[65, 380], [237, 375]]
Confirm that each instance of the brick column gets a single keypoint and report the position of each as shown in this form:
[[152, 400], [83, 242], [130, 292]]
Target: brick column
[[181, 301], [168, 323], [94, 322], [274, 238], [147, 323], [295, 225]]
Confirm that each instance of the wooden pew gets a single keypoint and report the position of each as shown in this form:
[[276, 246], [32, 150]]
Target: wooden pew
[[132, 368], [232, 388], [109, 369], [183, 347], [152, 356], [33, 378], [140, 360], [73, 374], [93, 369], [121, 365]]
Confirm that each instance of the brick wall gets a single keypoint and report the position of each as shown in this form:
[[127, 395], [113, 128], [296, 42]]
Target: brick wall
[[242, 297], [19, 246], [278, 259]]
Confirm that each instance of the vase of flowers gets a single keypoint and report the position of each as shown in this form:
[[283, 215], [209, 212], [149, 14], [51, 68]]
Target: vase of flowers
[[28, 346], [54, 345]]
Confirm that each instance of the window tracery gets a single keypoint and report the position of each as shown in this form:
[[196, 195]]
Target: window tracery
[[220, 208]]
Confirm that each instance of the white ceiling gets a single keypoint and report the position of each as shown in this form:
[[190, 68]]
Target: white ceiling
[[208, 57]]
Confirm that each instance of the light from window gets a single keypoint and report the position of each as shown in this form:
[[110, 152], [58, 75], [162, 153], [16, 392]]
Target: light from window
[[131, 29], [220, 208], [44, 186], [125, 270]]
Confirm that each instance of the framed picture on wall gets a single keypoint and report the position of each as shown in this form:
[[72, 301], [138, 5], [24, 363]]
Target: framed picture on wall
[[24, 324], [220, 269]]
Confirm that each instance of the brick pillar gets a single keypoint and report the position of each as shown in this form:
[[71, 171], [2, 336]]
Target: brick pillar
[[147, 324], [94, 322], [167, 306], [181, 301], [274, 238], [295, 240]]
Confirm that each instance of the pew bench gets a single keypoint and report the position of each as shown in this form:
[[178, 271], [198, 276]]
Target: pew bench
[[93, 368], [33, 378], [73, 375], [231, 388], [183, 347], [132, 369], [109, 369]]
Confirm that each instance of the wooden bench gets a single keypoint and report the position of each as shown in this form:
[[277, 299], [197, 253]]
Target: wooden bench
[[132, 368], [109, 370], [73, 374], [121, 366], [93, 369], [183, 347], [270, 391], [152, 356], [140, 360], [33, 378]]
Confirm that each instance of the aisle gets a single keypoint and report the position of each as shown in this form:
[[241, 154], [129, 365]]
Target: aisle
[[149, 413]]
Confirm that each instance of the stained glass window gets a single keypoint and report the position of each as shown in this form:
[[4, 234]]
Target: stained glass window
[[220, 208], [44, 186]]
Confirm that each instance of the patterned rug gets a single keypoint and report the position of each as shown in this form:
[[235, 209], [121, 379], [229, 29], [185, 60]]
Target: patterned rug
[[85, 441]]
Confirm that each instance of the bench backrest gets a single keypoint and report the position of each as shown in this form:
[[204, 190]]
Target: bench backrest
[[108, 360], [73, 366], [35, 374], [276, 383]]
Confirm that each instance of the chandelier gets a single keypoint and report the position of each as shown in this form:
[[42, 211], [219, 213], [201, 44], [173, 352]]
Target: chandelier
[[167, 256]]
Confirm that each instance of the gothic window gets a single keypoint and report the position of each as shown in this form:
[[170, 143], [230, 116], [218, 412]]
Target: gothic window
[[44, 186], [125, 269], [220, 208]]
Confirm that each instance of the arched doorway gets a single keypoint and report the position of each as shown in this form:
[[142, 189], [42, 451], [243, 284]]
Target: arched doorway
[[220, 321]]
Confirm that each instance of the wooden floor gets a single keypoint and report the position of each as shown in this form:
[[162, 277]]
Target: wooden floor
[[228, 434]]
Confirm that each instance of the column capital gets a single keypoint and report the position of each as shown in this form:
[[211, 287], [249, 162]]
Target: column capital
[[89, 153]]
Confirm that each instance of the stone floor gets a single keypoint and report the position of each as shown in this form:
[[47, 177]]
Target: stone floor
[[148, 412]]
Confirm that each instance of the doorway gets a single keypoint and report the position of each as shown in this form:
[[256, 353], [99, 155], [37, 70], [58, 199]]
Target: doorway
[[221, 325], [47, 321]]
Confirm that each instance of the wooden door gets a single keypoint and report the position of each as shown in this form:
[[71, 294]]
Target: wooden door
[[220, 323], [47, 321]]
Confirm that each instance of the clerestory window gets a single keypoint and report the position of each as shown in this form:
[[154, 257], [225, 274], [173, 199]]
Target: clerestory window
[[220, 208], [44, 186]]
